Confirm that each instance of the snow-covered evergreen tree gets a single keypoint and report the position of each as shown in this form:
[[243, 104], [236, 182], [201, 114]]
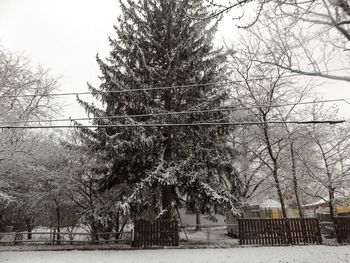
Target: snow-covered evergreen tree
[[159, 45]]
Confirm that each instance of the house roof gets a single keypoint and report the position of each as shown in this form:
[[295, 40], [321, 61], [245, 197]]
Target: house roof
[[319, 202], [338, 197], [268, 203]]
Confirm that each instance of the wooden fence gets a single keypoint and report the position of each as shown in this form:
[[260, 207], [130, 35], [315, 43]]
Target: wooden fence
[[157, 233], [283, 231], [342, 228]]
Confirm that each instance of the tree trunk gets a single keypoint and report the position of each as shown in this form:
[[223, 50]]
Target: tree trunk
[[279, 191], [29, 228], [198, 220], [94, 236], [168, 191], [275, 166], [168, 198], [295, 180], [117, 235], [58, 226], [331, 202]]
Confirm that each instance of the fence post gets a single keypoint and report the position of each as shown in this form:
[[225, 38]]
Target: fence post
[[54, 236], [136, 236], [240, 231], [131, 237], [14, 238], [289, 231], [208, 234], [177, 233], [50, 236]]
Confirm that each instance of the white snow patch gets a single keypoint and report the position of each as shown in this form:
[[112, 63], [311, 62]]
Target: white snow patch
[[305, 254], [270, 203]]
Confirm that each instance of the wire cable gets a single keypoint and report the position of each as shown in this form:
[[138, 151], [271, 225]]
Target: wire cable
[[174, 124], [155, 88], [233, 108]]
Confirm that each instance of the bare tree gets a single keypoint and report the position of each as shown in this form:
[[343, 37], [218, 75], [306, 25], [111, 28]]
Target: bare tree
[[219, 8], [37, 183], [327, 160], [248, 172], [261, 88], [23, 93], [102, 211], [18, 82], [261, 93], [309, 39]]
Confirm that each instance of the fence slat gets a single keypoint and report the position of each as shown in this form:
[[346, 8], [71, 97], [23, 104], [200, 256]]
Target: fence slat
[[342, 228], [282, 231], [157, 233]]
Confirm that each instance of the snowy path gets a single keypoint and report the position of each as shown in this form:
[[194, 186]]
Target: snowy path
[[319, 254]]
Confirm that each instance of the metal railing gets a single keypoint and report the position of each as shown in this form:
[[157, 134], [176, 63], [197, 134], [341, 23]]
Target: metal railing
[[189, 235], [71, 238]]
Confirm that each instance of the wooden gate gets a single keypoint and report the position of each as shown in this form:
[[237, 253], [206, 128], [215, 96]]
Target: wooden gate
[[157, 233], [282, 231], [342, 229]]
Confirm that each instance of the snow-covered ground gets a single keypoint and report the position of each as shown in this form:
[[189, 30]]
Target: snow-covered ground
[[304, 254], [213, 236]]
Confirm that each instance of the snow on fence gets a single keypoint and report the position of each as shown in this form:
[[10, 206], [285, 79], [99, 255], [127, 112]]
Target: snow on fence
[[342, 228], [60, 238], [283, 231], [157, 233]]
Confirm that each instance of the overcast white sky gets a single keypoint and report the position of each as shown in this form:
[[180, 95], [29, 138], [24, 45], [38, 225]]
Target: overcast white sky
[[66, 35], [62, 35]]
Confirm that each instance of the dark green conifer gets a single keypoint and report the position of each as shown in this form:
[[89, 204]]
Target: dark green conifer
[[158, 44]]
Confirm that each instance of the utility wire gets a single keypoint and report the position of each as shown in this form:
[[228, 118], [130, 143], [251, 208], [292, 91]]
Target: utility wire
[[173, 124], [233, 108], [154, 88]]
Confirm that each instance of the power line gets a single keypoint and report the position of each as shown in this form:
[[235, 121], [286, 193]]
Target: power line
[[156, 88], [116, 91], [233, 108], [173, 124]]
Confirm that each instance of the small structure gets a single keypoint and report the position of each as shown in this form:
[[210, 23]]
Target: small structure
[[189, 218], [319, 207], [271, 208], [268, 208]]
